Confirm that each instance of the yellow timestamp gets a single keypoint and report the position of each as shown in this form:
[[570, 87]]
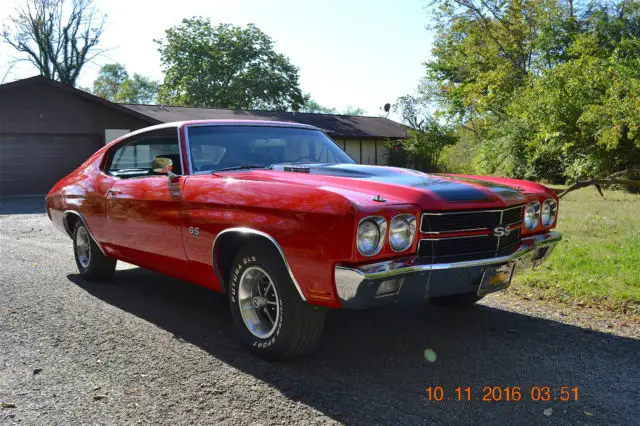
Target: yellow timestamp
[[504, 393]]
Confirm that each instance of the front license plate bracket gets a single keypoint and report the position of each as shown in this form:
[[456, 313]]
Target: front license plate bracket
[[496, 278]]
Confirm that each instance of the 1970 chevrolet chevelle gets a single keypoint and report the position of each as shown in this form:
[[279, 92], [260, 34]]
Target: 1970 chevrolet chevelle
[[284, 222]]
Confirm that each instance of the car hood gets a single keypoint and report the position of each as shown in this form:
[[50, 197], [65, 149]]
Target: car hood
[[362, 183]]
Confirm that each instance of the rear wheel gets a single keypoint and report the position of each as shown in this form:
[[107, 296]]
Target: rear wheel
[[91, 263], [270, 317], [456, 300]]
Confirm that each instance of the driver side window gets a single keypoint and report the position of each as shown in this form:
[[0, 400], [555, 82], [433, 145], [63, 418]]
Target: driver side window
[[133, 157]]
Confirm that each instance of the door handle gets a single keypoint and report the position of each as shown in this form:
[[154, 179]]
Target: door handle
[[113, 192]]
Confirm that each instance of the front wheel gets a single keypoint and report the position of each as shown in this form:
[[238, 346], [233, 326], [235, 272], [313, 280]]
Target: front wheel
[[91, 263], [270, 317]]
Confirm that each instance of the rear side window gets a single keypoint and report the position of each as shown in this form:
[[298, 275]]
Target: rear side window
[[133, 157]]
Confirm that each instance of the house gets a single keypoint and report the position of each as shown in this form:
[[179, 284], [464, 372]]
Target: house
[[47, 129]]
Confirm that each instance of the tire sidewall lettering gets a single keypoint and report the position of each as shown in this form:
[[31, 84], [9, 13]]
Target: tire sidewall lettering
[[258, 343]]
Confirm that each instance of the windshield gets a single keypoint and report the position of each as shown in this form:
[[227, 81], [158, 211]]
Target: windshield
[[224, 147]]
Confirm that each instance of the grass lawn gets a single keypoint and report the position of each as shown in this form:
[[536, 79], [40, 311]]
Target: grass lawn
[[598, 260]]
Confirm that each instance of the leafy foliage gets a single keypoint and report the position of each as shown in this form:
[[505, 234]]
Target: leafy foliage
[[114, 84], [225, 66], [312, 106], [550, 89], [351, 110], [427, 137], [58, 37]]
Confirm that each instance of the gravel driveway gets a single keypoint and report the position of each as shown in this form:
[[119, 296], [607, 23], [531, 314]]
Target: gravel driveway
[[145, 348]]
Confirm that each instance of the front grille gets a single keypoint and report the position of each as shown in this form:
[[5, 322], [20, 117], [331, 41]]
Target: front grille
[[469, 247], [437, 223], [512, 216]]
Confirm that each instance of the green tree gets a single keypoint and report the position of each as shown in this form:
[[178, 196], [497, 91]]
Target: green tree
[[226, 66], [114, 84], [428, 135], [548, 88], [312, 106], [351, 110]]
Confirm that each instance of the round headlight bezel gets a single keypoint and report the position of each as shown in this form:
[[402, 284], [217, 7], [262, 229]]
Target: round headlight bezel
[[381, 225], [408, 221], [531, 224], [552, 204]]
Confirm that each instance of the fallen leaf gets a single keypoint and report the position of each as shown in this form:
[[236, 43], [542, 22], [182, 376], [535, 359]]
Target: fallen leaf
[[99, 397], [8, 405], [547, 412], [588, 413]]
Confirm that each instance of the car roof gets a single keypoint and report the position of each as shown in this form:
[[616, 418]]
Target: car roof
[[195, 123], [262, 123]]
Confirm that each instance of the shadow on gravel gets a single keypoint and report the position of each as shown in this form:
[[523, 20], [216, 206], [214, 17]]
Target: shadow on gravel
[[22, 205], [370, 365]]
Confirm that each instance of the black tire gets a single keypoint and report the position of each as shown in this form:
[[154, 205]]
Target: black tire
[[96, 266], [297, 328], [456, 300]]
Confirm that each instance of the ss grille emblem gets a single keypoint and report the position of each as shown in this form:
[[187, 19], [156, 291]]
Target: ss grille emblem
[[194, 231], [501, 231]]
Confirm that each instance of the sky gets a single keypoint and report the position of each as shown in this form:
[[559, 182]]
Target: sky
[[362, 53]]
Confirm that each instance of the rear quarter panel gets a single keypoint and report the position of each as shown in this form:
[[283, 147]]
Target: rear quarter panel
[[82, 191]]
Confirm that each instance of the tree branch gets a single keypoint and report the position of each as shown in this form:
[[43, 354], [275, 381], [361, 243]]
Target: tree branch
[[611, 180]]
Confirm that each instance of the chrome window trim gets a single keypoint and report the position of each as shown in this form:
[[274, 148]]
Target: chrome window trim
[[226, 123], [382, 226], [412, 222], [422, 216], [133, 137], [84, 222], [246, 230]]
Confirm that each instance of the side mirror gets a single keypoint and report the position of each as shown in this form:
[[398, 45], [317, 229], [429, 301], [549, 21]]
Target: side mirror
[[164, 166]]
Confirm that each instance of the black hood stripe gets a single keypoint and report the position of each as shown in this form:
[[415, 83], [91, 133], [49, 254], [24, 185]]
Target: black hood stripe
[[452, 190]]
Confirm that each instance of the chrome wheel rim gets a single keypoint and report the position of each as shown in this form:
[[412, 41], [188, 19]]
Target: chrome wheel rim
[[258, 302], [83, 248]]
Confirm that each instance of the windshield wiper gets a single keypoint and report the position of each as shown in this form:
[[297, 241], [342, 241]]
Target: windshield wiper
[[242, 166]]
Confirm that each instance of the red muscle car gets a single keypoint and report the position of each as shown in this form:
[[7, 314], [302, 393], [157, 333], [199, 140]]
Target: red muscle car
[[283, 221]]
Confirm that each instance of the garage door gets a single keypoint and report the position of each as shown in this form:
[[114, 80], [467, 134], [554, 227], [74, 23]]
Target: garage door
[[32, 164]]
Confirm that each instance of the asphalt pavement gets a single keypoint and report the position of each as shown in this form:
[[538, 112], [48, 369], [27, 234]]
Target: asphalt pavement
[[146, 348]]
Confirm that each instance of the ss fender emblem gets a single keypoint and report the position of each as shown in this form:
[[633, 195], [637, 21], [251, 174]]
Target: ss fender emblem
[[195, 231], [501, 231]]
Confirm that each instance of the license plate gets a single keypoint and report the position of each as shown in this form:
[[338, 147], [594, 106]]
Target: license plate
[[496, 278]]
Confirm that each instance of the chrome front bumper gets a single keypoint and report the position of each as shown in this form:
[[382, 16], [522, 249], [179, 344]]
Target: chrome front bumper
[[414, 278]]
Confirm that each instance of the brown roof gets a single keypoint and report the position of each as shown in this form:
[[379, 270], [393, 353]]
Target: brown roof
[[341, 126], [346, 126], [81, 93]]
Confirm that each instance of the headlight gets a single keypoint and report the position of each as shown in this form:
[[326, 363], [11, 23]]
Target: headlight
[[401, 232], [371, 233], [549, 212], [532, 215]]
